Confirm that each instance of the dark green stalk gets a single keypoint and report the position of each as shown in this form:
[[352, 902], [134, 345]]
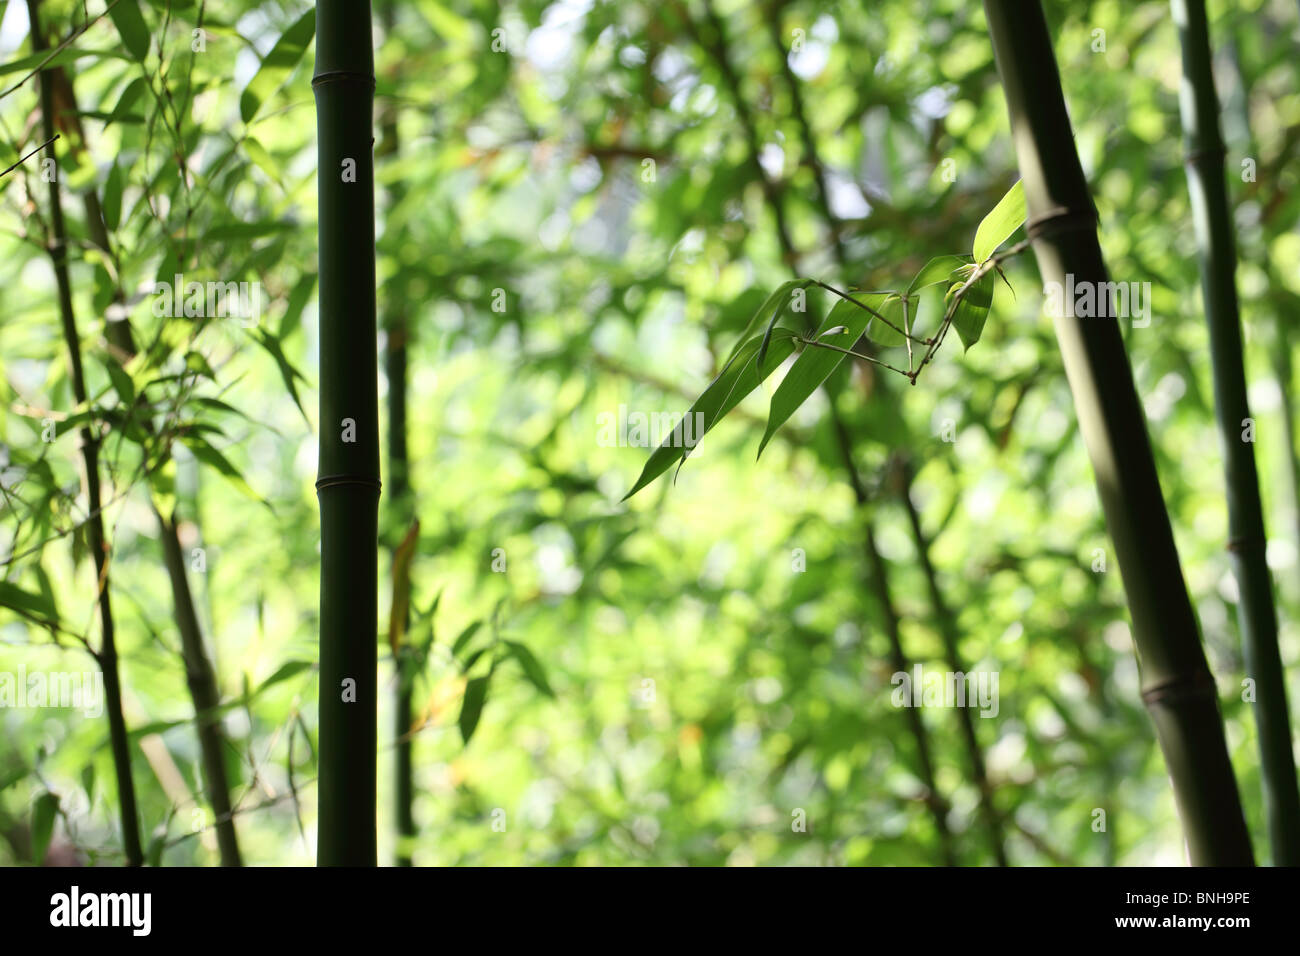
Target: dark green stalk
[[948, 632], [1177, 687], [107, 654], [201, 679], [1217, 256], [947, 623], [715, 44], [199, 673], [348, 483], [400, 497], [879, 580]]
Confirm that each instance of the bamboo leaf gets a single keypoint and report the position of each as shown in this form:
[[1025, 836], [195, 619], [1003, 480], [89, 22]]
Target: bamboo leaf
[[937, 270], [997, 227], [814, 365], [533, 669], [28, 604], [776, 317], [44, 812], [778, 297], [968, 318], [890, 305], [471, 708], [465, 636], [113, 197], [130, 24], [288, 374], [739, 377], [130, 95], [215, 459], [277, 65]]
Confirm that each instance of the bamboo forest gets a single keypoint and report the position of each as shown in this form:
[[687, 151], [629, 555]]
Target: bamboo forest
[[529, 433]]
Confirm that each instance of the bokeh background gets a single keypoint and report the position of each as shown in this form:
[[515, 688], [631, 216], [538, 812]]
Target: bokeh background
[[580, 206]]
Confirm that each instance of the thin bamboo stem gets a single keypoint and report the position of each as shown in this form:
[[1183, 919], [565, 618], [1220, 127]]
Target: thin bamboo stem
[[107, 654], [1217, 255], [1177, 686]]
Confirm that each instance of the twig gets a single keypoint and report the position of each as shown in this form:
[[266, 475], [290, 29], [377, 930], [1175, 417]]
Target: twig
[[29, 155]]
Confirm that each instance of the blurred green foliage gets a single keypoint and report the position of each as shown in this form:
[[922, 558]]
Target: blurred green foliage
[[574, 226]]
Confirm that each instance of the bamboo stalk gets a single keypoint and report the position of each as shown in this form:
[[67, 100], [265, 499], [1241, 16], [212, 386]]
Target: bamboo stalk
[[947, 625], [199, 672], [107, 654], [348, 482], [1217, 256], [1177, 687], [401, 497]]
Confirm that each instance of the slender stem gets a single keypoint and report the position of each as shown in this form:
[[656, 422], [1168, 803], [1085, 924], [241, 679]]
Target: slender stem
[[1177, 686], [401, 498], [879, 578], [348, 483], [201, 678], [815, 343], [107, 654], [948, 632], [1218, 260], [200, 673]]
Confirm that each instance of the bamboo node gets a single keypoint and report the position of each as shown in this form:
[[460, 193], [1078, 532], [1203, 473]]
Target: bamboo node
[[327, 481], [1199, 684], [331, 76], [1060, 220]]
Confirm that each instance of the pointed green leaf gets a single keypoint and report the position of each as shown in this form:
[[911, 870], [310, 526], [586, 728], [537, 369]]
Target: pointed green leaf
[[776, 317], [471, 708], [777, 299], [130, 95], [113, 197], [533, 669], [889, 305], [210, 456], [739, 377], [44, 811], [938, 269], [973, 309], [277, 66], [288, 374], [814, 365], [464, 637], [27, 603], [1006, 217], [130, 24]]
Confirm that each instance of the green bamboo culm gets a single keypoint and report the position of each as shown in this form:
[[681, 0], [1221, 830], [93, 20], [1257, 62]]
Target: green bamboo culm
[[401, 497], [348, 482], [1177, 687], [1217, 256], [106, 656]]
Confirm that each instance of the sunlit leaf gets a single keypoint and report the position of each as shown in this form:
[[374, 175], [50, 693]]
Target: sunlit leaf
[[1006, 217], [278, 64], [814, 365], [130, 24]]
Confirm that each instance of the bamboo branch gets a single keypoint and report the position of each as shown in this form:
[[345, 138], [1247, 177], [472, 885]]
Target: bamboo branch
[[1246, 539]]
